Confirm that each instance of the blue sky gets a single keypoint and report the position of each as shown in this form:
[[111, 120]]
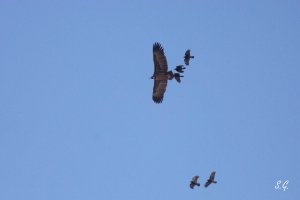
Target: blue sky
[[76, 116]]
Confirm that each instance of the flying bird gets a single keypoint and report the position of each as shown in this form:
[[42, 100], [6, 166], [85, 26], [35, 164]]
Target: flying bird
[[177, 77], [211, 179], [194, 182], [161, 74], [180, 68], [187, 57]]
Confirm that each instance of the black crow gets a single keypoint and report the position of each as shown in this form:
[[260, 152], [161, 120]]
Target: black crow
[[194, 182], [211, 179], [180, 68], [187, 57]]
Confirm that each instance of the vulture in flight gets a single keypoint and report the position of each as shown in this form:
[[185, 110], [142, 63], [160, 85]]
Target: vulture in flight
[[187, 57], [161, 74], [180, 68], [194, 182], [211, 179]]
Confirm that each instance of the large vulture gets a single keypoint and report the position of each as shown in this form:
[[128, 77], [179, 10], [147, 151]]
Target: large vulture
[[161, 74], [211, 179]]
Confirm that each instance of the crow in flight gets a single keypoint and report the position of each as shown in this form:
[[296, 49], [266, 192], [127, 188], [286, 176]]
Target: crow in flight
[[177, 77], [180, 68], [211, 179], [194, 182], [187, 57]]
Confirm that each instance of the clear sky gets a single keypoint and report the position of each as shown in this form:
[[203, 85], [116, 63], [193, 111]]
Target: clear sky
[[77, 120]]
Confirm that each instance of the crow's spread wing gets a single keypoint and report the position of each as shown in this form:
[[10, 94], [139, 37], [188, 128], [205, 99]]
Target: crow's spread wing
[[212, 176], [207, 183], [187, 61], [192, 185], [188, 53], [195, 179]]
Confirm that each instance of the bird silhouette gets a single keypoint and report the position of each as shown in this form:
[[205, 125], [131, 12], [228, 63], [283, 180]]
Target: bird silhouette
[[187, 57], [161, 74], [180, 68], [211, 179], [177, 77], [194, 182]]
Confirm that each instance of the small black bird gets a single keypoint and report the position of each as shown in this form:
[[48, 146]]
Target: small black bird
[[211, 179], [177, 77], [194, 182], [180, 68], [187, 57]]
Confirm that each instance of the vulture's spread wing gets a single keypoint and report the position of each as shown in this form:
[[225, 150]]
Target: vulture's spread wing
[[159, 89], [160, 71], [159, 58]]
